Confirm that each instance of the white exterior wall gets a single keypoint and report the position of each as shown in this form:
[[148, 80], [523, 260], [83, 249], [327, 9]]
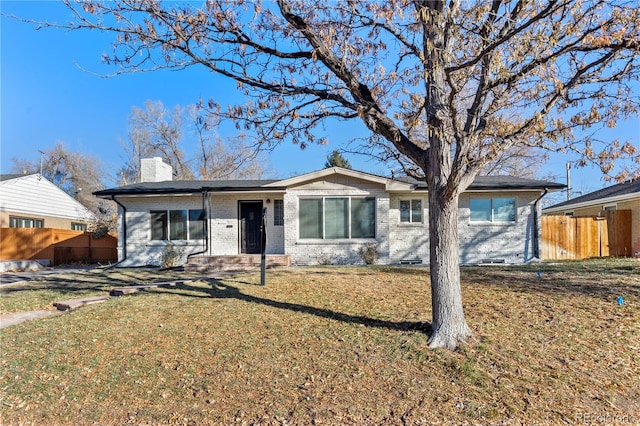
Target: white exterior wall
[[511, 242], [224, 225], [141, 250], [479, 242], [408, 241], [335, 252]]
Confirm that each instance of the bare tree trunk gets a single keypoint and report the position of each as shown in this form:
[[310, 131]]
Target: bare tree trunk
[[449, 328]]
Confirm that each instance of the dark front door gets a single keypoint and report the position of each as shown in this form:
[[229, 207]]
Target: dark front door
[[250, 221]]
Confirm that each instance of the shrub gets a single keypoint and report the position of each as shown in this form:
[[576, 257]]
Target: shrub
[[172, 256], [369, 253]]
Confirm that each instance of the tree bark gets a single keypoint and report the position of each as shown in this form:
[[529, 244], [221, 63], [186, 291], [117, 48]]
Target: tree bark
[[449, 328]]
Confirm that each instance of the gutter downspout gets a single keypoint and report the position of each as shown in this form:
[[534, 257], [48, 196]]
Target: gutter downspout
[[536, 242], [205, 203], [124, 229]]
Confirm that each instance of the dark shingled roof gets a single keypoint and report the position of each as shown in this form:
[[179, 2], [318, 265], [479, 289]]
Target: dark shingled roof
[[621, 189], [499, 182], [188, 186], [191, 186]]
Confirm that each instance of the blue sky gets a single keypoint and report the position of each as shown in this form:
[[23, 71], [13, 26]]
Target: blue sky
[[47, 97]]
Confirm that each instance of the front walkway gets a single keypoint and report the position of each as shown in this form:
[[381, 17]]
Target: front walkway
[[8, 320]]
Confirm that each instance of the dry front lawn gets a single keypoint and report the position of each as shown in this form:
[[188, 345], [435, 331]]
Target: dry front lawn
[[335, 345]]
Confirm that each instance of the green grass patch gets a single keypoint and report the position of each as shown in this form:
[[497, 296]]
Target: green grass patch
[[333, 345]]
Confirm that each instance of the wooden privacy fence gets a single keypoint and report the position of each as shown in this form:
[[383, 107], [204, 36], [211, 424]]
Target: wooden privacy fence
[[58, 246], [566, 237]]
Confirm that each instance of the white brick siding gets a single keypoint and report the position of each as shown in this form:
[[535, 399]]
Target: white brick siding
[[141, 250], [396, 241], [335, 252], [408, 241], [224, 229], [511, 242]]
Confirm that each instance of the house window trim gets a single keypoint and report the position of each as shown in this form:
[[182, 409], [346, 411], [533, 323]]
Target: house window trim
[[167, 229], [492, 221], [35, 220], [347, 240], [411, 222]]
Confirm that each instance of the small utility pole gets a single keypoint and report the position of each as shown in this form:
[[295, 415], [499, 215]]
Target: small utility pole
[[568, 181], [41, 154]]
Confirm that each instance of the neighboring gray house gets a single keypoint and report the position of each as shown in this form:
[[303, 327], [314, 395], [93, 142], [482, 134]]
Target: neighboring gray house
[[323, 217]]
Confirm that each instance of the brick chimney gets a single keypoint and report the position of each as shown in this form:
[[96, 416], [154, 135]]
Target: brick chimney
[[155, 170]]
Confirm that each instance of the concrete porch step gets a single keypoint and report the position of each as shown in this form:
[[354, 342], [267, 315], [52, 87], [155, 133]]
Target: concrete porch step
[[242, 262]]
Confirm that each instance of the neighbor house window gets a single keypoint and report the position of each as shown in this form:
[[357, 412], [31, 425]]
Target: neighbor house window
[[25, 222], [493, 209], [411, 211], [78, 226], [278, 212], [177, 224], [337, 217]]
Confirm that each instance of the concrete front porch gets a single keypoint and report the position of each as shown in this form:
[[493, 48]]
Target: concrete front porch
[[241, 262]]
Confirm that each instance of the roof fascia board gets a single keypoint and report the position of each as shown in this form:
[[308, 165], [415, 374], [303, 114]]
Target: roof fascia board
[[150, 194], [192, 193], [506, 190]]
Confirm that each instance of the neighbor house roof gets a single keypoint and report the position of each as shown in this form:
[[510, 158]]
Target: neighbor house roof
[[610, 194], [481, 183], [35, 195], [10, 176]]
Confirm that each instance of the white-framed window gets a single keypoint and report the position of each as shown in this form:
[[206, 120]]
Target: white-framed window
[[76, 226], [337, 217], [25, 222], [610, 207], [177, 224], [498, 209], [411, 211], [278, 212]]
